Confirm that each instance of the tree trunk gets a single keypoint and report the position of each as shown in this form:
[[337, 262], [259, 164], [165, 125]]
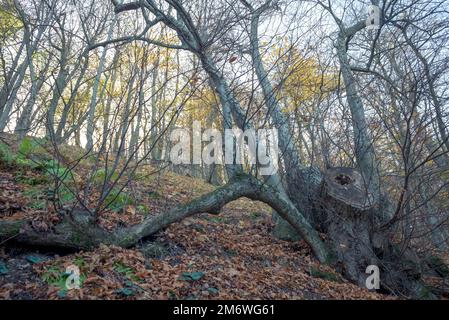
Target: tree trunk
[[24, 121], [78, 231], [302, 184], [350, 223], [93, 102]]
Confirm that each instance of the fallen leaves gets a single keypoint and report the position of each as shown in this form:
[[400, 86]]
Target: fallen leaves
[[11, 198], [231, 256]]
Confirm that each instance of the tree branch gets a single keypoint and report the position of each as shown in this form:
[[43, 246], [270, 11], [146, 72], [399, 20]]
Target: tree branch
[[78, 232], [131, 6]]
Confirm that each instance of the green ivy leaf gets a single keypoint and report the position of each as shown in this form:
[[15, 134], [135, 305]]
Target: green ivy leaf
[[197, 275], [191, 276], [34, 259], [212, 290], [3, 269], [62, 294], [127, 292]]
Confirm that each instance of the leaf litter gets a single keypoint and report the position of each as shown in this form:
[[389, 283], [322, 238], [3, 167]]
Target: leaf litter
[[230, 256]]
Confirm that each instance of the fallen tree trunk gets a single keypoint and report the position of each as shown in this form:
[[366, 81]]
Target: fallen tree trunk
[[78, 231], [348, 219]]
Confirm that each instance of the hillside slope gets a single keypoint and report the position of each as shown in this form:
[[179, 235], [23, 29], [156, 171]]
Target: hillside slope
[[230, 256]]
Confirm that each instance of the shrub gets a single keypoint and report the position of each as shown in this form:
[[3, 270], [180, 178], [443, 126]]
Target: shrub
[[317, 273], [117, 200], [6, 155], [100, 175]]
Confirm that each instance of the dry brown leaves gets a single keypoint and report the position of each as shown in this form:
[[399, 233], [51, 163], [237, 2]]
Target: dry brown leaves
[[231, 256]]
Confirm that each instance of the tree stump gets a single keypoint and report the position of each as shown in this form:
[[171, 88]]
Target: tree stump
[[348, 208], [346, 186]]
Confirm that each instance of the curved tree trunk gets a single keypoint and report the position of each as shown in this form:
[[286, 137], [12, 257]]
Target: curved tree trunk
[[78, 231], [301, 183], [352, 244], [344, 201], [363, 144]]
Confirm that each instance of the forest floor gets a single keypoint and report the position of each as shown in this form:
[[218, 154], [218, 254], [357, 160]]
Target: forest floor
[[230, 256]]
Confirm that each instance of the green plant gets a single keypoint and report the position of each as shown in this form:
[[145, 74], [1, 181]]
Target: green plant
[[172, 295], [117, 200], [142, 208], [34, 259], [317, 273], [31, 180], [55, 169], [127, 271], [6, 155], [36, 197], [191, 276], [24, 163], [26, 147], [213, 290], [40, 193], [3, 268], [100, 175], [425, 293], [65, 195], [54, 276], [126, 292], [79, 262]]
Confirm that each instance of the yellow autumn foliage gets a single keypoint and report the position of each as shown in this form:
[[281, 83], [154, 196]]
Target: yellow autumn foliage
[[9, 20], [300, 79]]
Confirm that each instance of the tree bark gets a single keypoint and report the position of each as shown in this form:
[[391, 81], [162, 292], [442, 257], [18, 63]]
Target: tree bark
[[77, 231], [363, 144], [93, 102]]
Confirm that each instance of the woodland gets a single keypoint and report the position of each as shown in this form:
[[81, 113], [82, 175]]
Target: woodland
[[92, 93]]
